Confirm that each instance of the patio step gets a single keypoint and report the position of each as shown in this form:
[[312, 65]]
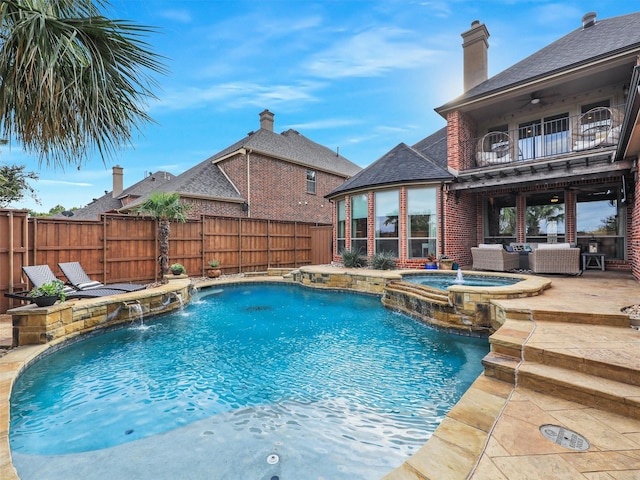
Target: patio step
[[595, 373], [433, 295], [592, 391], [609, 319]]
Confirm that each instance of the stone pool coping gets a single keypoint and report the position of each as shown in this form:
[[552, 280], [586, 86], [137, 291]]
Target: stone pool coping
[[15, 361]]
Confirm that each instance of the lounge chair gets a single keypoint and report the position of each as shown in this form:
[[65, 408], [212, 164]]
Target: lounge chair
[[41, 274], [82, 282]]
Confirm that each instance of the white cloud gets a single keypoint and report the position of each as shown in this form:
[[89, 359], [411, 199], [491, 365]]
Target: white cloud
[[325, 123], [370, 53], [238, 94], [182, 16], [63, 182]]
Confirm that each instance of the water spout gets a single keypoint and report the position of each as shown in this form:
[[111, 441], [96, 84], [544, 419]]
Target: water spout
[[459, 278], [135, 311]]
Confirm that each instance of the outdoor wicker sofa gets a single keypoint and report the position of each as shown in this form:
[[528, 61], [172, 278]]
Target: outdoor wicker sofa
[[494, 257], [555, 258]]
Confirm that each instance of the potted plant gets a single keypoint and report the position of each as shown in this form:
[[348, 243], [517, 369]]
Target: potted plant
[[178, 269], [213, 271], [445, 263], [47, 294], [432, 262]]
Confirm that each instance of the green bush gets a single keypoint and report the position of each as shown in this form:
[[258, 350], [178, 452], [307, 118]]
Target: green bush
[[383, 261], [352, 259]]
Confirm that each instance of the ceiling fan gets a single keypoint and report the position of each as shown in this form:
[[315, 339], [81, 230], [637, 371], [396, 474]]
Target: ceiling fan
[[537, 98]]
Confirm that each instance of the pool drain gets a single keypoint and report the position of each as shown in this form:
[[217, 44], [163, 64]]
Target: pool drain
[[273, 459], [564, 437]]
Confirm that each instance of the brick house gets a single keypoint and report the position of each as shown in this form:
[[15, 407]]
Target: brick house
[[545, 151], [264, 175]]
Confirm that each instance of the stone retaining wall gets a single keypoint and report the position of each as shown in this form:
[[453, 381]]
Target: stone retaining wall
[[34, 325]]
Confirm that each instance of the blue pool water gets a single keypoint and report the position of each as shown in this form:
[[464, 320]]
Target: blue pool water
[[442, 281], [308, 372]]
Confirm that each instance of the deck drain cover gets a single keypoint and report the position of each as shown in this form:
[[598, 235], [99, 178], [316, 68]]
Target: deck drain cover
[[565, 438], [273, 459]]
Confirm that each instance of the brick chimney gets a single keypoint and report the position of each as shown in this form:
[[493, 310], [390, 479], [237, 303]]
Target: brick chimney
[[475, 45], [118, 177], [266, 120]]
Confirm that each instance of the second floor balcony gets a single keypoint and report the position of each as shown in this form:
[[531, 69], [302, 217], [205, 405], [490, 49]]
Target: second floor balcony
[[561, 135]]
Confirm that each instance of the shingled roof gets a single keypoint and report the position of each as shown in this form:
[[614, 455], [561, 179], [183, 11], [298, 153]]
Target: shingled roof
[[404, 164], [107, 203], [584, 45], [204, 179], [293, 146]]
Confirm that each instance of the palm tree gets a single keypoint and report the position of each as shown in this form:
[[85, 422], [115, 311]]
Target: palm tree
[[72, 82], [165, 208]]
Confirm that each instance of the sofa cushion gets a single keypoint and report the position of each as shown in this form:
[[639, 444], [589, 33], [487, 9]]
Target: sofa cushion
[[495, 246], [552, 246]]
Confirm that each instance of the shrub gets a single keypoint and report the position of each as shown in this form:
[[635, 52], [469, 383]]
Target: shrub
[[383, 261], [50, 289], [178, 268], [353, 259]]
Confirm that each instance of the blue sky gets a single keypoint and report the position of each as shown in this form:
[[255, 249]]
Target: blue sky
[[361, 76]]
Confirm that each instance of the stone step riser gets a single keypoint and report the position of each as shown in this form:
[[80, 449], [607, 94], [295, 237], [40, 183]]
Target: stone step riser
[[586, 318], [576, 393], [621, 374]]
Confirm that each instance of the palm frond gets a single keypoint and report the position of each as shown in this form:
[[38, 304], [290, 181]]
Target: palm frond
[[71, 80]]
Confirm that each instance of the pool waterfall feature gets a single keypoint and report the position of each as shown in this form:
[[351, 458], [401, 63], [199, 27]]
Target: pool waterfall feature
[[41, 325], [461, 309]]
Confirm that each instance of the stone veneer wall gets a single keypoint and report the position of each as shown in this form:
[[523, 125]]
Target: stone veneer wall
[[33, 325], [469, 311]]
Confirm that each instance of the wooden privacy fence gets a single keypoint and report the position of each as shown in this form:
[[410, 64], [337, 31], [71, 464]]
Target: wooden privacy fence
[[124, 248]]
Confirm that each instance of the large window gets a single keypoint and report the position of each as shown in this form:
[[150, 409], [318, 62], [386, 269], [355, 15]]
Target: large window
[[342, 221], [500, 221], [545, 218], [421, 222], [387, 228], [359, 231], [600, 219]]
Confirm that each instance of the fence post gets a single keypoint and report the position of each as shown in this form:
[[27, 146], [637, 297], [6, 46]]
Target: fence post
[[239, 245], [202, 244], [104, 248], [268, 244]]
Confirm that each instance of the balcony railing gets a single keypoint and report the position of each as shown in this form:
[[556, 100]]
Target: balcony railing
[[597, 128]]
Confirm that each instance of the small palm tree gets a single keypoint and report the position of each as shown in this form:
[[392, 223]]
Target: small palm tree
[[165, 208]]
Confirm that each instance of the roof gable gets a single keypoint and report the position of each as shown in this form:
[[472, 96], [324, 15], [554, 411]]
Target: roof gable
[[295, 147], [402, 164]]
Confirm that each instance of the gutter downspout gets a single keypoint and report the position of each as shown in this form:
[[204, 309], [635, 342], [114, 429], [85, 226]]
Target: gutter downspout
[[441, 218]]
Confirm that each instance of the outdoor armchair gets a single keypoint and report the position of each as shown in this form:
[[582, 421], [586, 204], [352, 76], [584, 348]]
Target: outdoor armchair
[[494, 257], [555, 258]]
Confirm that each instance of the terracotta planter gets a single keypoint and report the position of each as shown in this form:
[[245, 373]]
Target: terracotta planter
[[214, 272], [446, 264]]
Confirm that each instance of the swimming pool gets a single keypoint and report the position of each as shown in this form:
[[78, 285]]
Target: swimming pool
[[259, 381], [442, 281]]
